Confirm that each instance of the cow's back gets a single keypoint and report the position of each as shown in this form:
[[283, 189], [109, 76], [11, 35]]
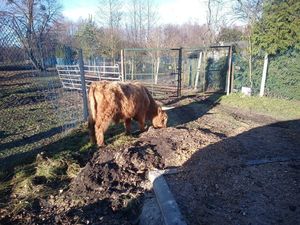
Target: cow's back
[[125, 100], [134, 99]]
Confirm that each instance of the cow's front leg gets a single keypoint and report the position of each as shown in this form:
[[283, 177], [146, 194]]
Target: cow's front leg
[[128, 125], [141, 121]]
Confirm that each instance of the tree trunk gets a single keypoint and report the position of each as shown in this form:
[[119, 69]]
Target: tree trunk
[[264, 76]]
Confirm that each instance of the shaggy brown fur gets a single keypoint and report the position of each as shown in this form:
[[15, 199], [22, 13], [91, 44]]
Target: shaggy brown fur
[[115, 101]]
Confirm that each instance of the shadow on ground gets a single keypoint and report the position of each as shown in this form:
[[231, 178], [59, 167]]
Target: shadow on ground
[[33, 138], [192, 111], [252, 178], [72, 142]]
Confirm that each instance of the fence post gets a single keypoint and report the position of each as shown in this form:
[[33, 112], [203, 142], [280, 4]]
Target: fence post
[[232, 78], [229, 71], [83, 86], [264, 76], [122, 65], [179, 72], [203, 68], [198, 70]]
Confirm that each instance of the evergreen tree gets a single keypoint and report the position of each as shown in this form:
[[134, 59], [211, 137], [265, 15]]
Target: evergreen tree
[[277, 31], [88, 38], [279, 27]]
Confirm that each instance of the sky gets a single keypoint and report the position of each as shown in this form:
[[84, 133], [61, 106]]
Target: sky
[[169, 11]]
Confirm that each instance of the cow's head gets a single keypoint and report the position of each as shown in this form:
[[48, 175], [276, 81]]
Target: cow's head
[[161, 119]]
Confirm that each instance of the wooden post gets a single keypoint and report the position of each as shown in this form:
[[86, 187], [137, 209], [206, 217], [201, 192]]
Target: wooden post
[[122, 66], [83, 86], [198, 70], [264, 76], [229, 71]]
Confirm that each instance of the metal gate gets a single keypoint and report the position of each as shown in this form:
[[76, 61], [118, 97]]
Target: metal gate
[[158, 69], [173, 72], [70, 77], [207, 69]]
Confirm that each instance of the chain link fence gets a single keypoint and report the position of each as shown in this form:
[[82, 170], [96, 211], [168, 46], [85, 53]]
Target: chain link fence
[[205, 69], [283, 79], [39, 103], [35, 109], [155, 68], [171, 72]]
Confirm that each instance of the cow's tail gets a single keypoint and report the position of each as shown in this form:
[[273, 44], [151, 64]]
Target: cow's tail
[[92, 113]]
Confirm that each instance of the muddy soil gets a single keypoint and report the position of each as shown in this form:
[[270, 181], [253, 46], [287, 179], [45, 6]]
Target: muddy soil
[[108, 190], [250, 177], [211, 144]]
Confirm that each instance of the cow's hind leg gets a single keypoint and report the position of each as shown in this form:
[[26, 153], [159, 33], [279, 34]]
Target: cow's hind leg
[[101, 126], [128, 125], [91, 125]]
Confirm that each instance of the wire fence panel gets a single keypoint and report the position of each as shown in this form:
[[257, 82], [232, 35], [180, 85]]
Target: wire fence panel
[[167, 72], [205, 69], [156, 68], [283, 80], [35, 108]]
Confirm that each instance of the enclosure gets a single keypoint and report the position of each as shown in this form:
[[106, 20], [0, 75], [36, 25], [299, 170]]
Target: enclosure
[[51, 173], [177, 71]]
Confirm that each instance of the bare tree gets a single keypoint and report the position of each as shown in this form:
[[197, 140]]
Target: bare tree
[[110, 16], [249, 11], [142, 20], [66, 31], [215, 18], [31, 21]]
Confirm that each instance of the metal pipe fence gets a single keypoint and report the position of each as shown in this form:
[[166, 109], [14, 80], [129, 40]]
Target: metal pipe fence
[[69, 75]]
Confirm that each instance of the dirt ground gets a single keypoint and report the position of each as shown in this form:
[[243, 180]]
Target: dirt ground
[[246, 173], [212, 145]]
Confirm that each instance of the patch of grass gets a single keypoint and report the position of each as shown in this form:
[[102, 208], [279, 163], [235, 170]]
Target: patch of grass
[[121, 140], [50, 168], [46, 173], [280, 109]]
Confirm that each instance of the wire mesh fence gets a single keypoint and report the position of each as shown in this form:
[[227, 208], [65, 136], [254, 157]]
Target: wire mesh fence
[[155, 68], [205, 69], [42, 90], [35, 109], [283, 80]]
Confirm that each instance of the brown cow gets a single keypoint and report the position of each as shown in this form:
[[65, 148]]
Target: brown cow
[[115, 101]]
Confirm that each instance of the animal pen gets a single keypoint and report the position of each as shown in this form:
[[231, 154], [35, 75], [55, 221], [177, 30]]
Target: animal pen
[[174, 72], [167, 73]]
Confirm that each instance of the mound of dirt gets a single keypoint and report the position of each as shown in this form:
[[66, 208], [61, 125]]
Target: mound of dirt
[[108, 190], [111, 186], [117, 174]]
